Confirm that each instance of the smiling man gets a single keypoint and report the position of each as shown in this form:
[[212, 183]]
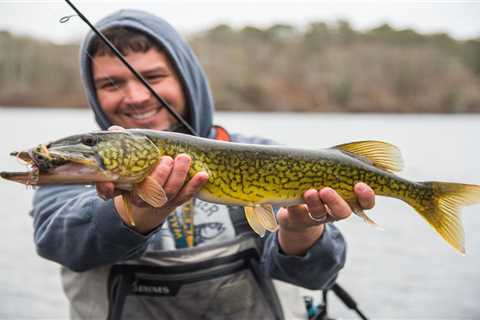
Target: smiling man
[[159, 268], [126, 101]]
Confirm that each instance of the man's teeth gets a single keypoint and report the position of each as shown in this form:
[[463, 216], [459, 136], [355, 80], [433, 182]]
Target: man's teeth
[[141, 116]]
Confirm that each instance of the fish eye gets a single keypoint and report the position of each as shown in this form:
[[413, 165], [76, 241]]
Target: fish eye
[[89, 140]]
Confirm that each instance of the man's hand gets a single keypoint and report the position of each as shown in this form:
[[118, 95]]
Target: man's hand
[[172, 175], [298, 232]]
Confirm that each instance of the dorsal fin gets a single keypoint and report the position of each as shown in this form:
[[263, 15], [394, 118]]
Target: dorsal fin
[[377, 153]]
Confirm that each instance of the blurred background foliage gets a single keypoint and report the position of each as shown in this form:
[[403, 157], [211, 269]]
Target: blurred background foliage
[[323, 67]]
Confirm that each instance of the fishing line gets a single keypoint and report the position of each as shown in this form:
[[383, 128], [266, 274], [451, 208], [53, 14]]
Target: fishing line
[[67, 18], [114, 50]]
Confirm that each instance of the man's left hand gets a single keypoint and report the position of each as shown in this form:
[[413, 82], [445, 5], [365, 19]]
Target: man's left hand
[[298, 231]]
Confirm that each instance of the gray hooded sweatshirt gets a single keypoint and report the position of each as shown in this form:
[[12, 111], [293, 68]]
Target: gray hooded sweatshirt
[[111, 271]]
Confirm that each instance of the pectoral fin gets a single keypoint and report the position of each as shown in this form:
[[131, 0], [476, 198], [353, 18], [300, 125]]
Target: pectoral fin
[[266, 217], [253, 221], [151, 192]]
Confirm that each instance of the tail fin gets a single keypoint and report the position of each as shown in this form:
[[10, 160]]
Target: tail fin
[[443, 211]]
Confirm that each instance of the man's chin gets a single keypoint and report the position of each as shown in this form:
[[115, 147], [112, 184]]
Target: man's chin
[[129, 122], [152, 125], [158, 121]]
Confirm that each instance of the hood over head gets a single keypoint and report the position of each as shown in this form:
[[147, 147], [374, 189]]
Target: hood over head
[[195, 84]]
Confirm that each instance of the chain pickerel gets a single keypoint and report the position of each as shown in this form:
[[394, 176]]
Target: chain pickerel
[[256, 177]]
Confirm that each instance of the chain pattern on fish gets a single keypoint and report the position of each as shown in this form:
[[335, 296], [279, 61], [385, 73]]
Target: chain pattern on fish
[[253, 176]]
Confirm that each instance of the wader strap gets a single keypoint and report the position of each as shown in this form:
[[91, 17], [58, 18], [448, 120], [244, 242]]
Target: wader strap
[[267, 289], [239, 222], [117, 286]]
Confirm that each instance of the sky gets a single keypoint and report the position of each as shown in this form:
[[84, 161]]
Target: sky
[[460, 19]]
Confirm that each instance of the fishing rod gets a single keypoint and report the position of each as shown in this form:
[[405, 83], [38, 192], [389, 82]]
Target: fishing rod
[[110, 45], [320, 312]]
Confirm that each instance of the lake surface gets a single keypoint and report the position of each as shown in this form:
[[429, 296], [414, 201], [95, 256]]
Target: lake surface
[[405, 271]]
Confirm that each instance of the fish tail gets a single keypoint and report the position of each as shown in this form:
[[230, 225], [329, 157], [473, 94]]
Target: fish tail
[[440, 205]]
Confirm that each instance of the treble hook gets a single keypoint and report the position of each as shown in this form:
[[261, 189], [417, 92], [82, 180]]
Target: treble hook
[[67, 18]]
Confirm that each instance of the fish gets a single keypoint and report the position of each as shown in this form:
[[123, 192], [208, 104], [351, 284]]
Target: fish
[[257, 177]]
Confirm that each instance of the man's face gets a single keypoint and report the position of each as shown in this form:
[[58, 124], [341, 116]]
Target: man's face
[[126, 101]]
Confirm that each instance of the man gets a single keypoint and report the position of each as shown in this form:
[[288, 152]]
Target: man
[[111, 269]]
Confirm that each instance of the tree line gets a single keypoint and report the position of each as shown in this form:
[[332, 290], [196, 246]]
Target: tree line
[[321, 67]]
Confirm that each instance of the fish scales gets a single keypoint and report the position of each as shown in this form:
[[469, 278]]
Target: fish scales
[[251, 174]]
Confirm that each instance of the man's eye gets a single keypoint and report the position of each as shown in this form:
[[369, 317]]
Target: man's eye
[[155, 78], [110, 85]]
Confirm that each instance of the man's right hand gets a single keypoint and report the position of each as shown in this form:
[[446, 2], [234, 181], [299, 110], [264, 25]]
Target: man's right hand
[[172, 175]]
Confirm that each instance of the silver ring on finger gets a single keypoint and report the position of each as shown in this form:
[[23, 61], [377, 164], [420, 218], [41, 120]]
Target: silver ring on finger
[[322, 219]]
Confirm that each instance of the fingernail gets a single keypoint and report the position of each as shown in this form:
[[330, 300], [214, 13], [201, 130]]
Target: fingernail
[[166, 161], [361, 187], [309, 194], [205, 176], [116, 128], [183, 158], [328, 192]]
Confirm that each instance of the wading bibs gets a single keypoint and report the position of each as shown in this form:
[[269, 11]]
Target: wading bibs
[[204, 263], [213, 272]]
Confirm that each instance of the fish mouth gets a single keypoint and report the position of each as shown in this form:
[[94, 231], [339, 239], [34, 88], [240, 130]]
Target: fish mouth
[[70, 173], [53, 167]]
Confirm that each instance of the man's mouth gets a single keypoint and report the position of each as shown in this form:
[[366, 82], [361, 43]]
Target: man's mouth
[[142, 115]]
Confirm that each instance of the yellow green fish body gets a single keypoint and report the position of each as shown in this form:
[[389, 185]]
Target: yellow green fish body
[[253, 176]]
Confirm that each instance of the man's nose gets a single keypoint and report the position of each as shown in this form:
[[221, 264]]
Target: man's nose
[[136, 93]]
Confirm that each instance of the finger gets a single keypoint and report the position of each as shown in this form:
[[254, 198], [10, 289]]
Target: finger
[[163, 170], [316, 207], [177, 177], [105, 190], [365, 195], [293, 216], [116, 128], [299, 216], [296, 218], [339, 208], [191, 188], [297, 210]]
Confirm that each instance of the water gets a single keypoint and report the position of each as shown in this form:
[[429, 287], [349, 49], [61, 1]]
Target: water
[[403, 272]]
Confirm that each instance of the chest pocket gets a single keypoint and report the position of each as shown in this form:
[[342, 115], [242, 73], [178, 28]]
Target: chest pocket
[[210, 282]]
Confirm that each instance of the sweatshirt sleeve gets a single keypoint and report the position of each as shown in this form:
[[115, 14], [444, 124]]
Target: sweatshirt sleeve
[[79, 230], [316, 270]]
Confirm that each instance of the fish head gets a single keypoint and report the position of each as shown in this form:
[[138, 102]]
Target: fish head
[[114, 156]]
